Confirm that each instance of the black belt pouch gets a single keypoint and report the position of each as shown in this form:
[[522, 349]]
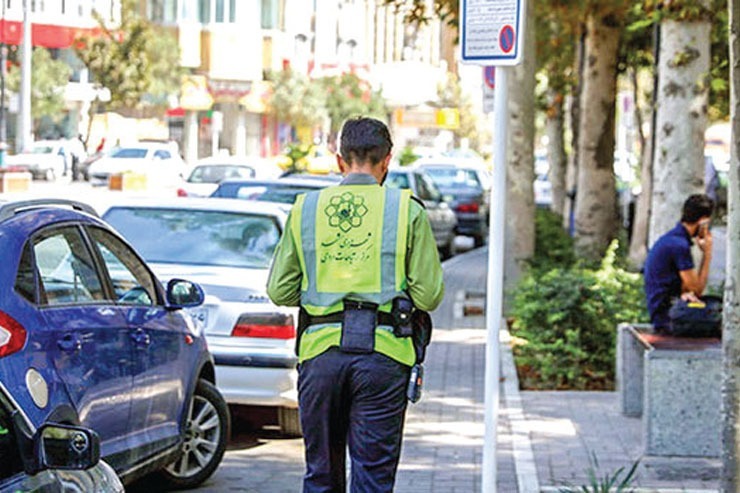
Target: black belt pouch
[[358, 327]]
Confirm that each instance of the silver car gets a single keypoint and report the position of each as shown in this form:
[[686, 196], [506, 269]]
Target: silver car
[[441, 217], [54, 457], [226, 246]]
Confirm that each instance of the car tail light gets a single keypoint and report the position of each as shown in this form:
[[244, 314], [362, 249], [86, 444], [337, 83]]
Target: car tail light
[[471, 207], [266, 325], [12, 335], [181, 192]]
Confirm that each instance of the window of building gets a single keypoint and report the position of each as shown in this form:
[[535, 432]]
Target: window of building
[[162, 11], [204, 11], [271, 14]]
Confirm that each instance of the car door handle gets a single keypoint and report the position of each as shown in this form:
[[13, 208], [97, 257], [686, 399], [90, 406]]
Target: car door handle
[[69, 343], [140, 337]]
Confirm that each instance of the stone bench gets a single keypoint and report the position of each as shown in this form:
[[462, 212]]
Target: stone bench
[[674, 384]]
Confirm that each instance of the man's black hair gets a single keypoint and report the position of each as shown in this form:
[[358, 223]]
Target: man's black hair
[[364, 140], [696, 207]]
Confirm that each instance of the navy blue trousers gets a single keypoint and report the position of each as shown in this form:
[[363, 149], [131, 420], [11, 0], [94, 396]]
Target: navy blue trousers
[[356, 401]]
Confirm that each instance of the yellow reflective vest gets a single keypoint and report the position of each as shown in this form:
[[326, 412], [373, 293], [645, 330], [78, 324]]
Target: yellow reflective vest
[[352, 243]]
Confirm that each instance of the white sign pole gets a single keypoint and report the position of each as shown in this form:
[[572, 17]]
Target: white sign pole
[[495, 286], [491, 31]]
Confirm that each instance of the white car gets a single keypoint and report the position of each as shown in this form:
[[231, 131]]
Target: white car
[[47, 159], [158, 161], [208, 172], [225, 246]]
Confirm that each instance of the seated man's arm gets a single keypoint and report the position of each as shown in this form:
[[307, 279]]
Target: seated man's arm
[[696, 281]]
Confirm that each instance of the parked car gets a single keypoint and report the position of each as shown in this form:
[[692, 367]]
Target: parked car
[[466, 190], [280, 190], [50, 457], [89, 336], [441, 217], [207, 173], [44, 159], [159, 161], [227, 246]]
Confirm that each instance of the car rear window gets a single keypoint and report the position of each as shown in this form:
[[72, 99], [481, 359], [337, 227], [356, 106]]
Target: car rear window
[[198, 237], [449, 177], [129, 152], [218, 173]]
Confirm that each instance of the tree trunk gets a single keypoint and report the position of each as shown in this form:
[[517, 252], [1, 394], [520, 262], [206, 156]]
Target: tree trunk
[[571, 170], [556, 151], [681, 119], [596, 204], [729, 481], [638, 241], [520, 163]]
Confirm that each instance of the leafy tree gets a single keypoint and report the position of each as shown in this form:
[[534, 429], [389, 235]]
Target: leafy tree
[[119, 58], [47, 85], [346, 96], [296, 100]]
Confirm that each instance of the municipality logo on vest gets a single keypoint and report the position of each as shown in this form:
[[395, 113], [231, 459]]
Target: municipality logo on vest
[[345, 211]]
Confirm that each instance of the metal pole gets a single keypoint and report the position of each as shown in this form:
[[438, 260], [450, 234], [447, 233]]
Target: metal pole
[[495, 286], [23, 137], [3, 73]]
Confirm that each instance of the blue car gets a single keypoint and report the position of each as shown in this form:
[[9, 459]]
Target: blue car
[[89, 337]]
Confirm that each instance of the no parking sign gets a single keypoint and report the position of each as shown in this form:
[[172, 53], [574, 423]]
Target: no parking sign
[[491, 30]]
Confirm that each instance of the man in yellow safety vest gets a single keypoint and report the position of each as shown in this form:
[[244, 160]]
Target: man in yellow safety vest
[[359, 259]]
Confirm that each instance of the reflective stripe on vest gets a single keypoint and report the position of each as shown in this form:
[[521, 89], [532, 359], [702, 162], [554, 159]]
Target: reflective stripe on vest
[[349, 250]]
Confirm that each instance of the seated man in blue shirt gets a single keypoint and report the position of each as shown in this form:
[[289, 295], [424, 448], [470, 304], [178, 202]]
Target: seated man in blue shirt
[[669, 267]]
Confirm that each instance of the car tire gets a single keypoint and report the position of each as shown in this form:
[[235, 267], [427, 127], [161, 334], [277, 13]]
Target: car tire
[[479, 240], [49, 174], [289, 421], [208, 407]]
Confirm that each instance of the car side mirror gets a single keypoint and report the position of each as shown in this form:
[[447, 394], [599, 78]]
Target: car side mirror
[[55, 446], [59, 446], [183, 294]]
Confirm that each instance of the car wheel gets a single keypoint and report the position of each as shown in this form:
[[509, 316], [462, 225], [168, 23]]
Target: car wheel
[[289, 421], [479, 240], [207, 431], [49, 175]]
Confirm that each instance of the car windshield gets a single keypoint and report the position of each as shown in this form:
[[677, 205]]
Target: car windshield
[[43, 149], [198, 237], [129, 152], [215, 173], [449, 177]]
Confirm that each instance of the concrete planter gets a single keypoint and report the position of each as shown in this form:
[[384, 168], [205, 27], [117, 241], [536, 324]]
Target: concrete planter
[[14, 181], [127, 182]]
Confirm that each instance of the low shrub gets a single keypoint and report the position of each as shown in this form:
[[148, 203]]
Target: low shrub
[[564, 323]]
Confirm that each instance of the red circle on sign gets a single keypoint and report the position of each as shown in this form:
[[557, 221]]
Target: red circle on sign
[[506, 38]]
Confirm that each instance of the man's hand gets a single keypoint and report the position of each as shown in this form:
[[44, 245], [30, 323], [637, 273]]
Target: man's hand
[[690, 297], [704, 238]]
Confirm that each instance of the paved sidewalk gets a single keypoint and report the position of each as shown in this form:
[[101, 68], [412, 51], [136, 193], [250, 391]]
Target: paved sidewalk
[[556, 434]]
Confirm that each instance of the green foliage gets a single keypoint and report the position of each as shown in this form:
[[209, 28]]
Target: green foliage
[[49, 78], [407, 156], [553, 247], [565, 323], [120, 57], [616, 482], [297, 153], [296, 99], [348, 96], [166, 72]]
